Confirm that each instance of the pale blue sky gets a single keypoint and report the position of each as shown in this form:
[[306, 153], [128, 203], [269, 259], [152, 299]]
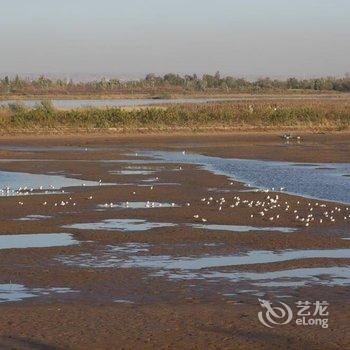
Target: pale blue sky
[[242, 37]]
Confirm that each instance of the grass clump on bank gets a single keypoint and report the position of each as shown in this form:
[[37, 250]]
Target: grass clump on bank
[[240, 115]]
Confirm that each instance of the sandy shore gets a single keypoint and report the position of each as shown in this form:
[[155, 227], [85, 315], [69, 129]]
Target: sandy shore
[[133, 307]]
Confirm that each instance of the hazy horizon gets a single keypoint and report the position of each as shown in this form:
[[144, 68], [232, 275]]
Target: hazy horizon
[[252, 38]]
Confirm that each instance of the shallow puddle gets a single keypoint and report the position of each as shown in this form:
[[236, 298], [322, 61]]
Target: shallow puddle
[[34, 218], [137, 205], [39, 240], [130, 248], [296, 178], [123, 301], [16, 183], [219, 190], [151, 180], [156, 184], [131, 172], [253, 257], [120, 225], [18, 292], [143, 225], [330, 276], [240, 228], [31, 148], [112, 257]]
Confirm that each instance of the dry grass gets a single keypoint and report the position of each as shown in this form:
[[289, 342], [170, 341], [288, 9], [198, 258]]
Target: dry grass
[[249, 115]]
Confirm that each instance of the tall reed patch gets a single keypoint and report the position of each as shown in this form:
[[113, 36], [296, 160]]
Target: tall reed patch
[[257, 114]]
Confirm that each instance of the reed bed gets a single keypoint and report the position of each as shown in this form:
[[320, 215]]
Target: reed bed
[[239, 115]]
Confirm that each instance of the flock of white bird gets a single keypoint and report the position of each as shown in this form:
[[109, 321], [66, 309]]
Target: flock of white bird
[[23, 191], [271, 208]]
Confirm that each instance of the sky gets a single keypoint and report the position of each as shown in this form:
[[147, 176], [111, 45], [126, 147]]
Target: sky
[[128, 38]]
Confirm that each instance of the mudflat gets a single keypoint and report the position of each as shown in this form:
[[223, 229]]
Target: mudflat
[[169, 253]]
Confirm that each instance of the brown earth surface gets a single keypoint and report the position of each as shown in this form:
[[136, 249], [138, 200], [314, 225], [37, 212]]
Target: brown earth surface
[[132, 307]]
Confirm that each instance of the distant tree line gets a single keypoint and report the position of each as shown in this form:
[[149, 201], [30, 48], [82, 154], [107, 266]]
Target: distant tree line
[[168, 83]]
